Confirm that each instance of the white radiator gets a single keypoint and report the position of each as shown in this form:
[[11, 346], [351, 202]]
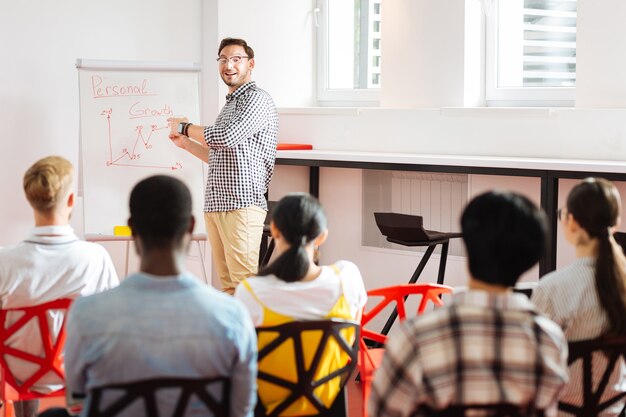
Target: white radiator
[[439, 198]]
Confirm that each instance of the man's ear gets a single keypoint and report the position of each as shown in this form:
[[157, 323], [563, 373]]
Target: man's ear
[[251, 63], [71, 200]]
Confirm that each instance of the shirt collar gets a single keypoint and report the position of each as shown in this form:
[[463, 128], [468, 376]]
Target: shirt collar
[[52, 234], [145, 281], [508, 300], [241, 90]]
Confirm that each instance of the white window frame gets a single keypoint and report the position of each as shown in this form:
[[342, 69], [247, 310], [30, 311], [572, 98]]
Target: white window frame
[[335, 97], [516, 96]]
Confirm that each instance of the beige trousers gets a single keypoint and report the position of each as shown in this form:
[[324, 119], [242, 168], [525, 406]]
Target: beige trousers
[[235, 238]]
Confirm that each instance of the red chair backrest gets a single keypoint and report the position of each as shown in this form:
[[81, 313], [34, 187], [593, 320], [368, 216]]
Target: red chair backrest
[[397, 294], [52, 361]]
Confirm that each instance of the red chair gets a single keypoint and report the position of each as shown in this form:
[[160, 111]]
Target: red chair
[[370, 358], [51, 361]]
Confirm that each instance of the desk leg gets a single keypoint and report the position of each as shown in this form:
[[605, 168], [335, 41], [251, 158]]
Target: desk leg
[[442, 262], [416, 274], [314, 181], [549, 202]]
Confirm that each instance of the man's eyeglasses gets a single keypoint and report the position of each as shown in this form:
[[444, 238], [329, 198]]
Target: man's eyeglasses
[[235, 59]]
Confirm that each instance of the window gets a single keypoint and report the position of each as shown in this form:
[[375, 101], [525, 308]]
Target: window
[[348, 53], [531, 52]]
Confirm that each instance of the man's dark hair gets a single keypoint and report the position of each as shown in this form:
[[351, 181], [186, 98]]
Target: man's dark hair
[[160, 211], [234, 41], [505, 234]]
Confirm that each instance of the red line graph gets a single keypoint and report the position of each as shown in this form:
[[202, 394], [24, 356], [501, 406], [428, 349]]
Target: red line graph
[[126, 157]]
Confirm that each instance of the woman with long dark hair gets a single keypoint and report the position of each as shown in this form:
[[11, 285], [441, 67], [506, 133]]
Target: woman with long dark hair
[[588, 297], [293, 287]]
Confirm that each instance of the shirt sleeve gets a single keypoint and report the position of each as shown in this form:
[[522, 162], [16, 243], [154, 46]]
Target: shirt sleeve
[[109, 274], [243, 383], [255, 310], [250, 117], [397, 388], [355, 289]]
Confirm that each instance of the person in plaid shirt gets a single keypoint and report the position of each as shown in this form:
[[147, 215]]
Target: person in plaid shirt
[[240, 148], [489, 346]]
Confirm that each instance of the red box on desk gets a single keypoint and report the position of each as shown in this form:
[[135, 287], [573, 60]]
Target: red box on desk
[[294, 147]]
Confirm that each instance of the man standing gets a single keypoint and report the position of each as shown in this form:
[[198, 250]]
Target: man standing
[[161, 322], [240, 149], [51, 263], [489, 346]]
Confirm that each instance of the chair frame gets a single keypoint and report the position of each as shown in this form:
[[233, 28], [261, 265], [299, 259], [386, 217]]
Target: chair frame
[[52, 361], [305, 386], [613, 348], [397, 294], [146, 389]]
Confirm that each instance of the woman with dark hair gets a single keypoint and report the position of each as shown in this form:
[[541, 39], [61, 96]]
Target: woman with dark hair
[[588, 297], [294, 288]]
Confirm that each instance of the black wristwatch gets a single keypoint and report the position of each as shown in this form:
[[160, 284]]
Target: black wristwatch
[[182, 128]]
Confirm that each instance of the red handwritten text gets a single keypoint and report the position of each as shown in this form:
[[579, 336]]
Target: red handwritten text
[[101, 88], [137, 110]]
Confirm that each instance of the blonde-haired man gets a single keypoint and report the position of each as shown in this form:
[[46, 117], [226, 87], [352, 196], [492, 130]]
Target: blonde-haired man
[[51, 263]]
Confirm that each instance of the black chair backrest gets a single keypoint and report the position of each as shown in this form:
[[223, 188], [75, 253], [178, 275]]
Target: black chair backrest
[[148, 390], [613, 348], [490, 410], [306, 385]]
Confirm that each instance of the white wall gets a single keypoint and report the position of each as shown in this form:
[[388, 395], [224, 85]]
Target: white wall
[[539, 132], [415, 70], [281, 34], [600, 54], [39, 44]]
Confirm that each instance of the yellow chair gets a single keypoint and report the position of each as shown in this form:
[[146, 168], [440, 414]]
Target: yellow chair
[[304, 366]]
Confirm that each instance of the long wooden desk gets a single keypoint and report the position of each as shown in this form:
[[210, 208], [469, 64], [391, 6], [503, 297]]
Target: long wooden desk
[[548, 170]]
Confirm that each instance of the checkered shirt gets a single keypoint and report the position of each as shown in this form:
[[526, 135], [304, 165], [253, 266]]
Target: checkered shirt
[[483, 348], [242, 150]]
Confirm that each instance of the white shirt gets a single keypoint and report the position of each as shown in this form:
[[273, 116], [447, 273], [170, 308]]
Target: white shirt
[[569, 297], [305, 300], [51, 263]]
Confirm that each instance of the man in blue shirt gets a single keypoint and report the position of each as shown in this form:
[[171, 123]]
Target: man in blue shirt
[[162, 321]]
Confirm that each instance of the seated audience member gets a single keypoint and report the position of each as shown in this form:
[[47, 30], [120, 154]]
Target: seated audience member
[[294, 288], [488, 346], [162, 321], [51, 263], [588, 297]]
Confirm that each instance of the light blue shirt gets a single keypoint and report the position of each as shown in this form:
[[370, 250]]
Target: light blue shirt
[[151, 327]]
